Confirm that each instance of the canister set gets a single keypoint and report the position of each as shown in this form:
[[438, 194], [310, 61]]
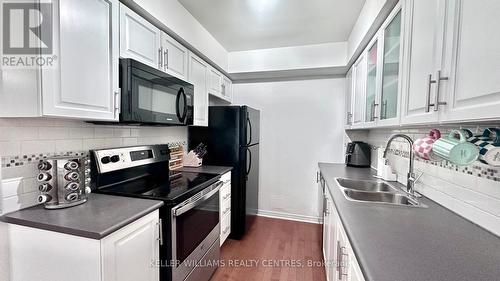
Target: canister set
[[460, 147]]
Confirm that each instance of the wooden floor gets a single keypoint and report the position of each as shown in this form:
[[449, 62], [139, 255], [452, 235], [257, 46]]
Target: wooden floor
[[273, 250]]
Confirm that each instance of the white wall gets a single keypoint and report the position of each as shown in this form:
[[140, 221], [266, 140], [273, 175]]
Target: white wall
[[365, 20], [179, 20], [297, 57], [301, 125]]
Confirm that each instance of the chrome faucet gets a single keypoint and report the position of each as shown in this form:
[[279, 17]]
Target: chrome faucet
[[411, 179]]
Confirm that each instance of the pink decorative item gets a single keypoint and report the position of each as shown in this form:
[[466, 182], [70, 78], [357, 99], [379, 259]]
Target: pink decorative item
[[423, 146]]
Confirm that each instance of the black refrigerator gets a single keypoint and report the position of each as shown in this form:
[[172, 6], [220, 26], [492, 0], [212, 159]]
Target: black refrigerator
[[232, 139]]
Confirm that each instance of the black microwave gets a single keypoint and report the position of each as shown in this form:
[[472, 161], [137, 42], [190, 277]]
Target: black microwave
[[151, 96]]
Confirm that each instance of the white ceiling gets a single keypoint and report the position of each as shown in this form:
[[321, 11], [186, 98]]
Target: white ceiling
[[258, 24]]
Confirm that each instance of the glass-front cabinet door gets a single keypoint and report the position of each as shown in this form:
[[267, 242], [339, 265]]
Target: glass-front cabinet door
[[371, 83], [391, 67]]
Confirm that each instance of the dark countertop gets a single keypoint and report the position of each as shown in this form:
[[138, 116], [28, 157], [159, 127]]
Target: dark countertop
[[396, 243], [100, 216], [207, 169]]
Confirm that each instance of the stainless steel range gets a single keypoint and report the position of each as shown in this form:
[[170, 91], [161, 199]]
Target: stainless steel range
[[190, 218]]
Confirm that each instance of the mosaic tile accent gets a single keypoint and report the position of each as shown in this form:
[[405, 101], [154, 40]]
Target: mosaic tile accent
[[21, 160], [478, 168]]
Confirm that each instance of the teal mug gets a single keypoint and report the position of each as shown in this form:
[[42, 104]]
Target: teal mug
[[489, 146], [456, 149]]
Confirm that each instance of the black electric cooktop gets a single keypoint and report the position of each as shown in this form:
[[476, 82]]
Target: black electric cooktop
[[179, 187]]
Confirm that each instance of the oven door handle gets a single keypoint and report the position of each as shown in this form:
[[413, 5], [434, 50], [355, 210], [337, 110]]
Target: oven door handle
[[191, 205]]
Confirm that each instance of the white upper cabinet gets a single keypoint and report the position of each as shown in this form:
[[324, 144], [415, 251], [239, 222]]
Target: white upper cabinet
[[392, 62], [82, 83], [86, 81], [473, 57], [423, 49], [359, 98], [139, 39], [227, 89], [372, 96], [175, 57], [348, 99], [214, 82], [198, 76]]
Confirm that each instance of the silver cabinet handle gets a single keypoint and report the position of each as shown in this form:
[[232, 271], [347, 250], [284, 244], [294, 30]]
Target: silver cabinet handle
[[160, 58], [165, 59], [160, 230], [342, 266], [437, 103], [118, 101], [349, 118], [428, 103], [339, 261]]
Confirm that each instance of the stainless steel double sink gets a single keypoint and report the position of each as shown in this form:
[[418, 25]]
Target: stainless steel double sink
[[376, 191]]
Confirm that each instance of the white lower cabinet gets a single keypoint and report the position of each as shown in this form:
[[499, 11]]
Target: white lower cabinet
[[340, 262], [225, 207], [128, 254]]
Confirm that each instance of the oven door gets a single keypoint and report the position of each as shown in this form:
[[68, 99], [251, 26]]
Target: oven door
[[152, 96], [195, 228]]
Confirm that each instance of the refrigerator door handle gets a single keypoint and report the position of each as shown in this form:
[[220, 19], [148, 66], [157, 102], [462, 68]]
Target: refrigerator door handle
[[249, 127], [249, 167]]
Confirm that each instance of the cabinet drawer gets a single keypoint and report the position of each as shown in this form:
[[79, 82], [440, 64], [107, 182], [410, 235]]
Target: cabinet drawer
[[225, 192], [226, 177], [225, 207], [225, 228]]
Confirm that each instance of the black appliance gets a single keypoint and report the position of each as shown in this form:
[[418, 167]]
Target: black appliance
[[151, 96], [189, 220], [232, 139], [358, 154]]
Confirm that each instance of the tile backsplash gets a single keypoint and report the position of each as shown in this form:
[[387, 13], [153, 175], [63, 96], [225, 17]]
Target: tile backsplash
[[472, 192], [24, 141]]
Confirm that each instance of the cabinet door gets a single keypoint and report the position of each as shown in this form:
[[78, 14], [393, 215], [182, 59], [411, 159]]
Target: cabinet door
[[85, 81], [372, 82], [423, 48], [227, 89], [392, 62], [474, 85], [175, 57], [325, 227], [215, 82], [198, 76], [139, 39], [348, 99], [359, 76], [127, 254]]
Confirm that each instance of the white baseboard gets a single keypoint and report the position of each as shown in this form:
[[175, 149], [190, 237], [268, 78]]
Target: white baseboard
[[288, 216]]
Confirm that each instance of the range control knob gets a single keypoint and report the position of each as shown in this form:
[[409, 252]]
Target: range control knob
[[44, 198], [105, 160], [72, 176], [72, 186], [71, 165], [115, 158], [44, 166], [44, 187], [44, 177], [88, 190]]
